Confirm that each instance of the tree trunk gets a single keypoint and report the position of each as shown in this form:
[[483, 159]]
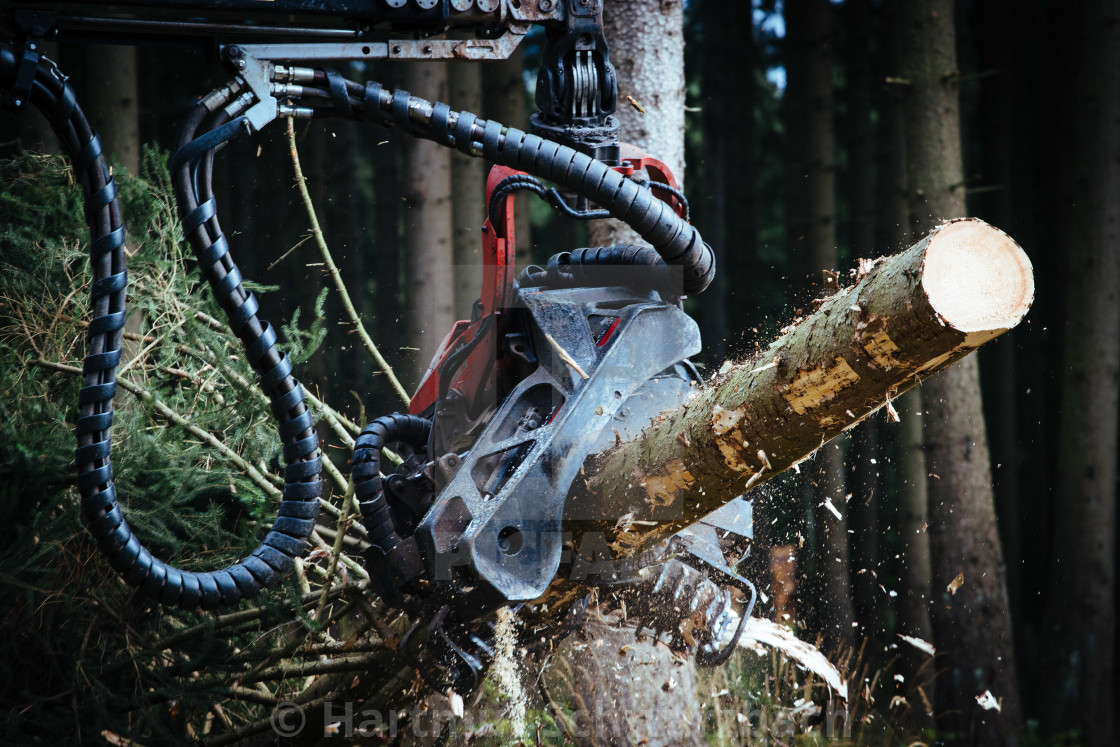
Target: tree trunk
[[913, 528], [468, 190], [652, 699], [913, 605], [112, 101], [810, 89], [389, 284], [725, 205], [625, 689], [724, 201], [111, 96], [646, 41], [427, 221], [972, 625], [865, 461], [1082, 602], [1002, 150], [912, 315], [507, 101]]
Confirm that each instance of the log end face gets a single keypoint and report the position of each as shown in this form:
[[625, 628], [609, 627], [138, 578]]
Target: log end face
[[977, 278]]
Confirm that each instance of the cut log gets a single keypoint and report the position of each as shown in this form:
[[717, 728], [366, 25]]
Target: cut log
[[906, 318]]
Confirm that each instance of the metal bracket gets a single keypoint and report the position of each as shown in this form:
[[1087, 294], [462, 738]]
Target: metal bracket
[[577, 89], [511, 538], [34, 26], [256, 64], [394, 49], [258, 74], [447, 653]]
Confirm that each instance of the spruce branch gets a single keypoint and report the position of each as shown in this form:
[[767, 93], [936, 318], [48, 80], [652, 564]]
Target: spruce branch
[[259, 479], [251, 696], [332, 269], [351, 566], [300, 573], [241, 733], [228, 620], [343, 427], [338, 422], [350, 542], [336, 476], [354, 645], [336, 549]]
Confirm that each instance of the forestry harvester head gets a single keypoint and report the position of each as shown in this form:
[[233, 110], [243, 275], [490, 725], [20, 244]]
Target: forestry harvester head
[[556, 364]]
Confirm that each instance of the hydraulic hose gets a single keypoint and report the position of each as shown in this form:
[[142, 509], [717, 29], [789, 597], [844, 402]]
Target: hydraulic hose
[[366, 472], [604, 265], [99, 507], [676, 241]]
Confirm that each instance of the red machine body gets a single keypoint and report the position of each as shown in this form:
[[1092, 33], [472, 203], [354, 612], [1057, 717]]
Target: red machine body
[[475, 377]]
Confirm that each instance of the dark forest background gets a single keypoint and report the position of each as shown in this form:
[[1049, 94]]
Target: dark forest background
[[803, 154]]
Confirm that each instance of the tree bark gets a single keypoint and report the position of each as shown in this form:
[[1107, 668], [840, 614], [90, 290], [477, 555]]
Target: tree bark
[[647, 49], [725, 205], [625, 689], [427, 219], [972, 624], [1003, 151], [911, 316], [653, 698], [810, 90], [913, 528], [468, 189], [859, 180], [912, 513], [507, 100], [388, 281], [914, 600], [113, 108], [1082, 602]]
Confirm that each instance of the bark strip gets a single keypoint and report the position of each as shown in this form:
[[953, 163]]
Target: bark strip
[[908, 317]]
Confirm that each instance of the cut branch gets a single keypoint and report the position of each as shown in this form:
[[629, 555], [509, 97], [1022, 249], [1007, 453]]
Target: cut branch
[[333, 271], [911, 316]]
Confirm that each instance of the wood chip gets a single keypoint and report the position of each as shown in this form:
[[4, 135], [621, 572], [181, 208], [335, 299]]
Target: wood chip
[[924, 646], [892, 414], [565, 357], [832, 508], [634, 103], [988, 701]]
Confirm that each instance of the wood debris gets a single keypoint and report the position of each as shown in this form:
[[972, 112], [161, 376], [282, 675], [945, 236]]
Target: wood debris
[[771, 364], [564, 356], [988, 701], [828, 504], [924, 646], [769, 633]]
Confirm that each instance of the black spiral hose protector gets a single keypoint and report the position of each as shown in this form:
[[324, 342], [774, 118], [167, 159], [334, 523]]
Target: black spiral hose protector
[[676, 241], [604, 265], [100, 510], [366, 472], [508, 186]]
